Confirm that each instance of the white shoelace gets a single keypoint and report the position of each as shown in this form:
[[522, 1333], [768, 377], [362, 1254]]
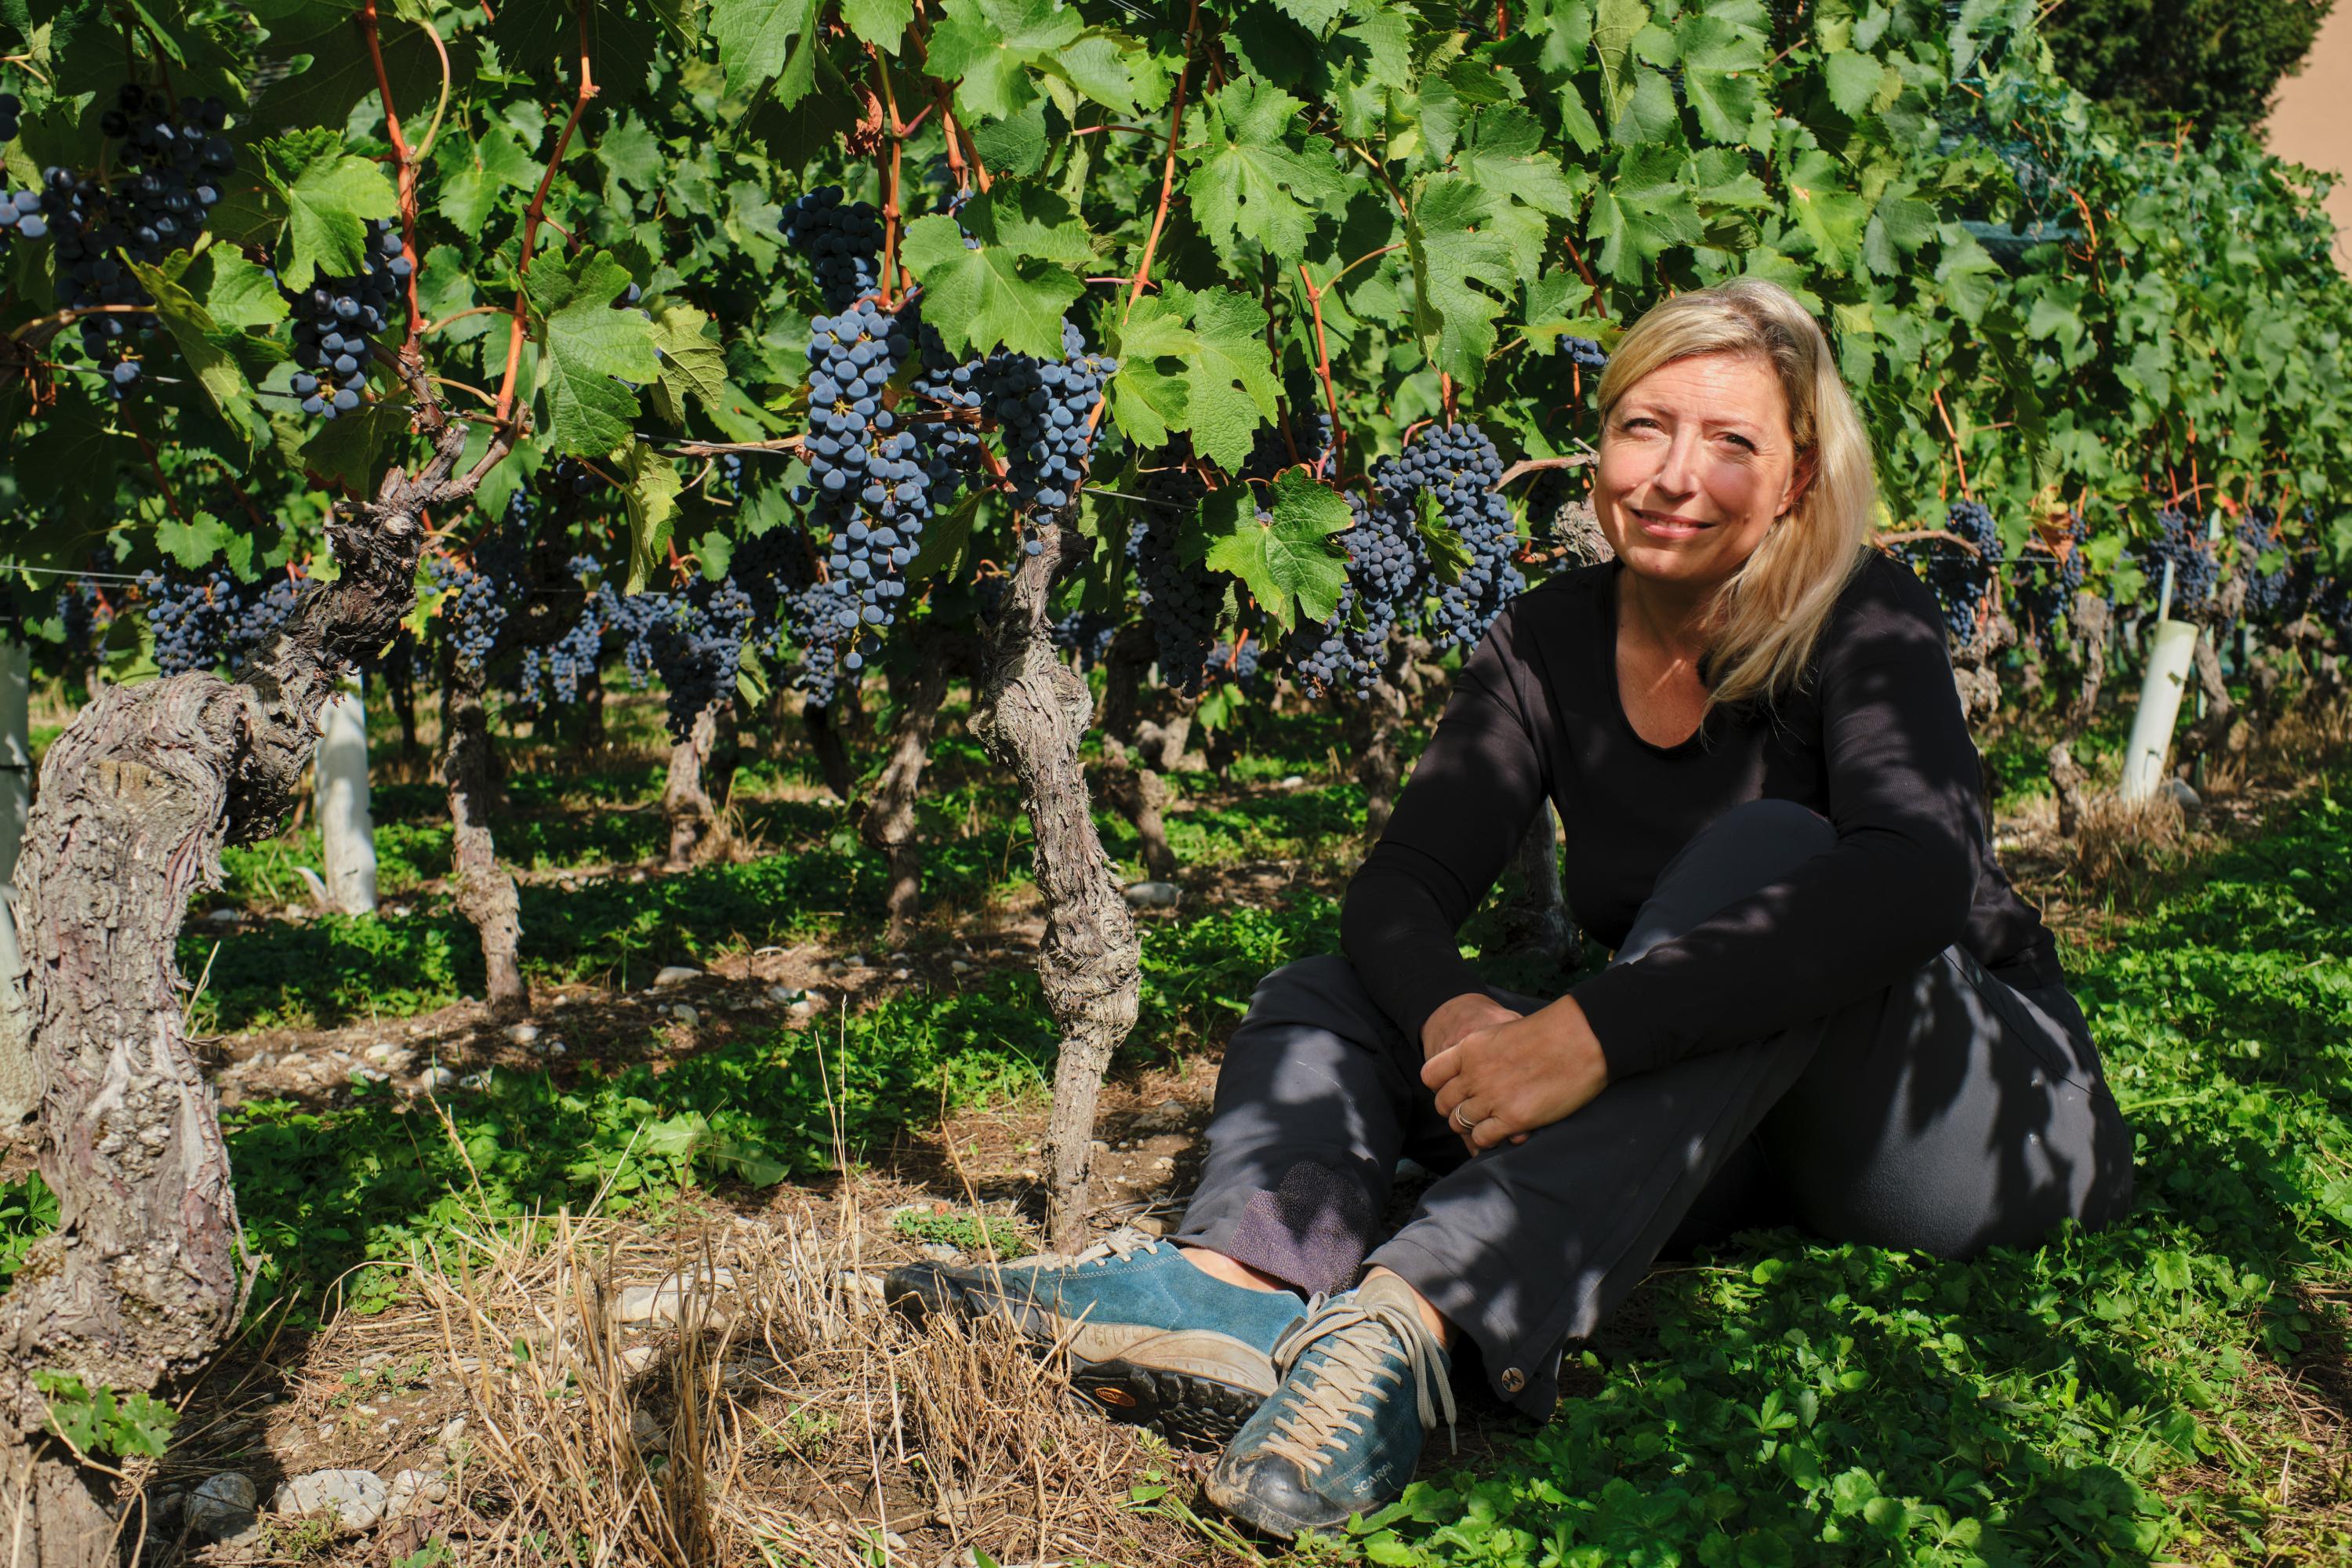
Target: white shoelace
[[1357, 1339]]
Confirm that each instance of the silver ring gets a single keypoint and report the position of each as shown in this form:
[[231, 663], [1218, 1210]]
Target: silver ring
[[1459, 1124]]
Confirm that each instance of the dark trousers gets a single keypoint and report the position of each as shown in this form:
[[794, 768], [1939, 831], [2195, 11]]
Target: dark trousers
[[1947, 1113]]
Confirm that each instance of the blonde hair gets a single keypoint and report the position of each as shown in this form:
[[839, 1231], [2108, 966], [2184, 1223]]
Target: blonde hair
[[1770, 613]]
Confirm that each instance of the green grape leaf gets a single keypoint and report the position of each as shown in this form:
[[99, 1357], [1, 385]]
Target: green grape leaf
[[1641, 212], [1830, 214], [1004, 291], [691, 361], [990, 48], [463, 192], [1151, 393], [205, 345], [329, 196], [1255, 179], [318, 44], [1454, 316], [591, 350], [881, 23], [1723, 61], [1312, 15], [1233, 388], [237, 294], [768, 40], [1556, 307], [1504, 154], [1097, 66], [1287, 560], [190, 544], [1852, 81], [649, 489], [1017, 146], [1449, 557]]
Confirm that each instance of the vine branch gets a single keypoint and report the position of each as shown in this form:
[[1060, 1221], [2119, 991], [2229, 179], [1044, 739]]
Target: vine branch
[[531, 218]]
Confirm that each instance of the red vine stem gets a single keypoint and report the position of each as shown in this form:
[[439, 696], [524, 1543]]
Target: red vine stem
[[1537, 465], [894, 282], [1958, 462], [1323, 366], [1167, 167], [406, 159], [1575, 256], [531, 221]]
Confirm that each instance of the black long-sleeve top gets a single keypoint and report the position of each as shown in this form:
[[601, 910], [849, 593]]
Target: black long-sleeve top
[[1874, 739]]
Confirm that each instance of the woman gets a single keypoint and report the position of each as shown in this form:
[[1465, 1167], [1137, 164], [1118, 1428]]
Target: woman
[[1826, 1005]]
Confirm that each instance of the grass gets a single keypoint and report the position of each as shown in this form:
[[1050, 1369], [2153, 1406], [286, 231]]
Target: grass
[[2129, 1396]]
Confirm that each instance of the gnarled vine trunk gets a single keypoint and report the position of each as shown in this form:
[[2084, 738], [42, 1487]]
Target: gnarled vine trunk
[[701, 777], [2092, 623], [1136, 791], [888, 823], [1032, 716], [832, 756], [481, 888], [1535, 914], [139, 1283]]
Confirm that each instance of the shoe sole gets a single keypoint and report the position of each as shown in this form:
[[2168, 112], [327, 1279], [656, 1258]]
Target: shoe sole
[[1184, 1405], [1241, 1505]]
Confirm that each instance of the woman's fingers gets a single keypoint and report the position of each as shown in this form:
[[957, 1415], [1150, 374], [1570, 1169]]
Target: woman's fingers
[[1441, 1068]]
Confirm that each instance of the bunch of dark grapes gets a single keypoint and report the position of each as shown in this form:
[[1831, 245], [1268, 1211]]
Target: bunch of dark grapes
[[1181, 604], [572, 478], [698, 649], [841, 240], [336, 319], [171, 169], [189, 619], [567, 661], [2180, 541], [1584, 354], [477, 598], [1086, 633], [10, 110], [205, 624], [870, 489], [1241, 663], [1962, 577], [791, 608], [2272, 595], [1387, 570], [1044, 409], [1457, 466], [83, 616], [2045, 580], [640, 620], [951, 449]]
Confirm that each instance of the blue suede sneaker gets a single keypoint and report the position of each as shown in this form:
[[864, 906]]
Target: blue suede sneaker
[[1363, 1379], [1150, 1338]]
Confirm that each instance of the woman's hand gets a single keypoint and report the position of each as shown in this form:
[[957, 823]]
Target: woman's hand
[[1456, 1018], [1504, 1080]]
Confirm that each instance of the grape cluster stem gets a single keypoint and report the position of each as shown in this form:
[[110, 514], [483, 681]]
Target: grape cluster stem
[[535, 215]]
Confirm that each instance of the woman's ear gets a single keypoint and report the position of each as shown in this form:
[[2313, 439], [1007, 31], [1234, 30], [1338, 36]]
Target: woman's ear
[[1801, 479]]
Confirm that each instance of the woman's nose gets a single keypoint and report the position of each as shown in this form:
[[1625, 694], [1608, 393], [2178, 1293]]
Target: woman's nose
[[1678, 469]]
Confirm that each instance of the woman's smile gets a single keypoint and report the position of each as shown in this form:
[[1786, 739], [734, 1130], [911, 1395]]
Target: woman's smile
[[1666, 525]]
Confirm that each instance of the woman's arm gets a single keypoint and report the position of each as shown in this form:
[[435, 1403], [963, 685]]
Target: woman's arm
[[1902, 780], [1456, 823]]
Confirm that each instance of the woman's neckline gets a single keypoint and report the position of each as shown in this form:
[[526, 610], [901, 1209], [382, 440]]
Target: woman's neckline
[[1610, 587]]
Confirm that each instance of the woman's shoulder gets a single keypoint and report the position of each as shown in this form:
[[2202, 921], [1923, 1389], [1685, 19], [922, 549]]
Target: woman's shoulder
[[1884, 610]]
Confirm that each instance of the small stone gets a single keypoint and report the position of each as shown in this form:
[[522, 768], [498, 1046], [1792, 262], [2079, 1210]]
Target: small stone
[[522, 1033], [225, 917], [646, 1433], [1152, 895], [634, 1358], [664, 1302], [894, 1540], [1291, 781], [901, 974], [676, 975], [370, 1075], [1151, 1224], [453, 1432], [481, 1080], [958, 966], [356, 1497], [1099, 1147], [412, 1489], [685, 1013], [2184, 795], [389, 1057], [436, 1078], [941, 1252], [222, 1506], [785, 995], [637, 877], [554, 1049]]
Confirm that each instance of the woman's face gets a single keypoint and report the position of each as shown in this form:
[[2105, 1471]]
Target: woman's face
[[1697, 463]]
